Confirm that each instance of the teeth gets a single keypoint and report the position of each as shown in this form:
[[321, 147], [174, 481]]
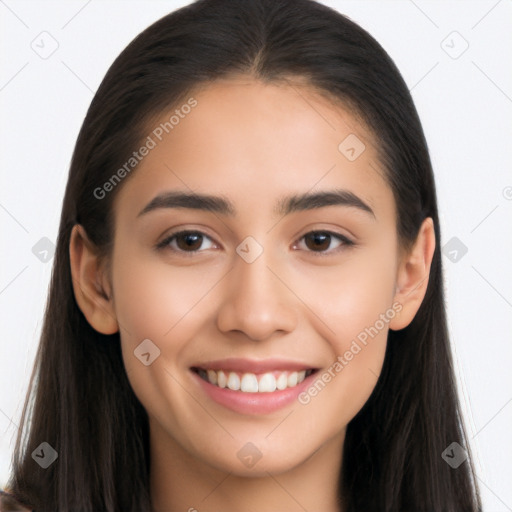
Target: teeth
[[282, 381], [267, 383], [212, 376], [221, 379], [250, 383], [292, 379], [233, 381]]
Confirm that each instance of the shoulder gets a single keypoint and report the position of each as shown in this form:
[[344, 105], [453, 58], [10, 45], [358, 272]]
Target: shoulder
[[8, 503]]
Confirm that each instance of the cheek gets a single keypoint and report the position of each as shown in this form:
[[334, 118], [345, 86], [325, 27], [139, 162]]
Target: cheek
[[168, 306], [352, 295], [154, 300], [353, 307]]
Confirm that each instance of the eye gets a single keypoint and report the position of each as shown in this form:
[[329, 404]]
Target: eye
[[324, 241], [187, 241]]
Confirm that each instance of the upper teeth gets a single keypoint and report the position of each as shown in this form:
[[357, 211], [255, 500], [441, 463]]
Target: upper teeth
[[252, 383]]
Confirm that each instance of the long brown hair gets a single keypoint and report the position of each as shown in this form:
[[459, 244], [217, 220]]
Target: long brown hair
[[80, 401]]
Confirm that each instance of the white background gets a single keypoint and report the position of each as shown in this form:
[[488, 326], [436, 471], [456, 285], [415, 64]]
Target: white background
[[466, 108]]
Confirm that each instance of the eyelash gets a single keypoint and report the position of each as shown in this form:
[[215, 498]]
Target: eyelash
[[165, 244]]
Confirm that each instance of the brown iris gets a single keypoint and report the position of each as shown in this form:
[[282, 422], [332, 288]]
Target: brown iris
[[317, 241], [189, 241]]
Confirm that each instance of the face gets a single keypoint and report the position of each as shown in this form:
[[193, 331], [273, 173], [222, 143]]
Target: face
[[281, 283]]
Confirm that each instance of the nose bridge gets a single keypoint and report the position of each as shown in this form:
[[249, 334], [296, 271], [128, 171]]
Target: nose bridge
[[257, 302]]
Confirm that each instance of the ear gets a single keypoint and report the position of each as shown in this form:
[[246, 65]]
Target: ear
[[90, 283], [413, 275]]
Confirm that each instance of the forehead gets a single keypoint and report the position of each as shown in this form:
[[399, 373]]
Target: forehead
[[256, 141]]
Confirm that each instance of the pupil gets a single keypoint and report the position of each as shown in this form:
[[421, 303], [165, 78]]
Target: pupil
[[190, 241], [320, 240]]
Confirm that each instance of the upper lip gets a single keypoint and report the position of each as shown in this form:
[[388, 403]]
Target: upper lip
[[253, 365]]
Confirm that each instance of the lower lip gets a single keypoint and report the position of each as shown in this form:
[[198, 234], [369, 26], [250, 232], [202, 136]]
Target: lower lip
[[253, 403]]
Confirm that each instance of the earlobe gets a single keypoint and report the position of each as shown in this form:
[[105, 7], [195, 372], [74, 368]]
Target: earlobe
[[413, 275], [90, 285]]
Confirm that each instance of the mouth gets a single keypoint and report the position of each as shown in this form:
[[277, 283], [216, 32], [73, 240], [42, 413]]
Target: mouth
[[249, 382], [252, 387]]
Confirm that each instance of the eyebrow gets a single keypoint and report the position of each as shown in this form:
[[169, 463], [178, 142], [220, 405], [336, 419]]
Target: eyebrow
[[285, 206]]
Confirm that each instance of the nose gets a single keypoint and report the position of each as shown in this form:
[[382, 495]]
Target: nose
[[257, 303]]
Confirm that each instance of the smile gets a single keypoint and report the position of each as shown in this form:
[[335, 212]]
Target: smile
[[251, 386], [253, 383]]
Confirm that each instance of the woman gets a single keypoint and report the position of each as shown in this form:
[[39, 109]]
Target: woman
[[246, 310]]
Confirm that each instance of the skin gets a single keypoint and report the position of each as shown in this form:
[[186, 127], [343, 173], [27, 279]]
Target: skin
[[252, 143]]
